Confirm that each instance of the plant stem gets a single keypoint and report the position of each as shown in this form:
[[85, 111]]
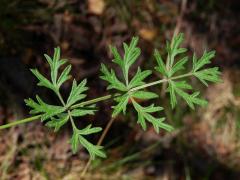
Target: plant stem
[[92, 101], [169, 57], [159, 82], [61, 99], [26, 120], [72, 121], [96, 100], [148, 85], [109, 124], [69, 113], [85, 168]]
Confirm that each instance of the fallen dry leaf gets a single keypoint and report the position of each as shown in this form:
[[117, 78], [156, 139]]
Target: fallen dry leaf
[[96, 6], [148, 33]]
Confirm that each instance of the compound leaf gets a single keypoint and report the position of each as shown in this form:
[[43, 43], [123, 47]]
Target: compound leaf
[[144, 115], [76, 92], [139, 77], [90, 110], [131, 53], [78, 138], [117, 58], [208, 75], [144, 95], [75, 142], [42, 80], [205, 59], [173, 49], [161, 65], [173, 98], [93, 150], [112, 79], [178, 88], [121, 106], [178, 66], [47, 111], [89, 130], [57, 123], [64, 76]]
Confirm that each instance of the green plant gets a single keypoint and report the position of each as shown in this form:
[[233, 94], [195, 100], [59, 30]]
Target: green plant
[[125, 89]]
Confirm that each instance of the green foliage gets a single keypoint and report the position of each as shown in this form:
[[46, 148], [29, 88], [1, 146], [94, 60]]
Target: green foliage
[[78, 138], [144, 95], [183, 88], [55, 64], [161, 65], [76, 93], [173, 49], [205, 75], [111, 77], [121, 106], [131, 53], [137, 80], [58, 122], [144, 113], [128, 90], [134, 89], [178, 87], [57, 116], [45, 109], [88, 110]]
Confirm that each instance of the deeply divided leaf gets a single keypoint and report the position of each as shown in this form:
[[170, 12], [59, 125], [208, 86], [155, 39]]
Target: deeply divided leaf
[[58, 122], [131, 53], [78, 138], [76, 93], [178, 66], [121, 106], [180, 88], [161, 65], [139, 78], [144, 95], [112, 79], [42, 80], [208, 75], [144, 114], [83, 111], [93, 150], [205, 59], [174, 49], [47, 111]]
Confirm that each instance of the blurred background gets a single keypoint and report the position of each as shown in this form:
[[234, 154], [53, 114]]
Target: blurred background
[[205, 143]]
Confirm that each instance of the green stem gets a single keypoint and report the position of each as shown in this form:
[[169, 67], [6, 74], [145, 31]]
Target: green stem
[[61, 99], [159, 82], [169, 57], [26, 120], [72, 121], [93, 101], [69, 112]]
